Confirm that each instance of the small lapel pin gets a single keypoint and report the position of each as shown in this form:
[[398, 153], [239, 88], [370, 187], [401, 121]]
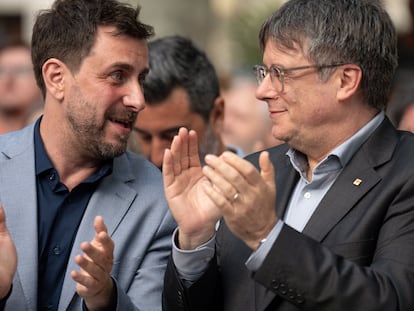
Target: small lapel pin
[[357, 182]]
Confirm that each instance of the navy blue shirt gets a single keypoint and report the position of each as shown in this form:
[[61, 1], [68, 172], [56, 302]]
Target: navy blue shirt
[[59, 214]]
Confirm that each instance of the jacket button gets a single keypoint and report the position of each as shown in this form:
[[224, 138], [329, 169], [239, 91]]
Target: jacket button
[[283, 289], [300, 299], [275, 285]]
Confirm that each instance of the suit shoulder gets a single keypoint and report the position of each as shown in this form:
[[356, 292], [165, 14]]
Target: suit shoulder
[[276, 154], [404, 151], [15, 142], [138, 164]]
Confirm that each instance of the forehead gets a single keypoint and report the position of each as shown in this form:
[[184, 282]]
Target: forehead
[[171, 112], [175, 107], [277, 54], [109, 49]]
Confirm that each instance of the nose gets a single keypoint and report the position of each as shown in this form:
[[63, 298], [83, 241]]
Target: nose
[[134, 97], [265, 90]]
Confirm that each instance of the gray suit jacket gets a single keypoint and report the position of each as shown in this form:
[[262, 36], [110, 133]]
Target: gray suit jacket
[[355, 253], [133, 206]]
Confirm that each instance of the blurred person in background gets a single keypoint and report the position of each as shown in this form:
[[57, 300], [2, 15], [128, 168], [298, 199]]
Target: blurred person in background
[[20, 96], [401, 106], [181, 90], [407, 120], [247, 126]]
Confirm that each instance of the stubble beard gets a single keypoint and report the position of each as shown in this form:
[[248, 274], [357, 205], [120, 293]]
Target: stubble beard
[[89, 132]]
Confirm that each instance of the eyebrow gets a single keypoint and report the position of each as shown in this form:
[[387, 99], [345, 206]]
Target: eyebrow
[[128, 67]]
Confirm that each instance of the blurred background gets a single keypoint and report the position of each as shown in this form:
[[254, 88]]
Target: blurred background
[[226, 29]]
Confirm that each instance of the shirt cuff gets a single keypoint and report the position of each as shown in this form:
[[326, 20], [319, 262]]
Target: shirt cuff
[[191, 264], [256, 259]]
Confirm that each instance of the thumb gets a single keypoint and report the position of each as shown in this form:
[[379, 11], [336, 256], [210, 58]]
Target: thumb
[[3, 227], [266, 169]]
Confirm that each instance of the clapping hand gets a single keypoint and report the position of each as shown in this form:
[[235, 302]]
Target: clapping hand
[[8, 256], [195, 213], [94, 282]]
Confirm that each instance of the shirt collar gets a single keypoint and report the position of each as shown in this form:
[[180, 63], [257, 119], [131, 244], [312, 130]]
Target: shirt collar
[[43, 163], [343, 152]]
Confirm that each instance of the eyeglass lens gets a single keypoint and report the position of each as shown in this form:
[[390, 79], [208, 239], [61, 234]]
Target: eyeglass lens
[[276, 76]]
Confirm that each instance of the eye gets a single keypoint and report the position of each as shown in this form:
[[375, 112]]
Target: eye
[[141, 79], [145, 137], [168, 136], [275, 72], [117, 76]]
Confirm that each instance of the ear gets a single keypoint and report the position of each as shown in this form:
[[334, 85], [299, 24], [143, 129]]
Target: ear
[[350, 81], [217, 116], [53, 71]]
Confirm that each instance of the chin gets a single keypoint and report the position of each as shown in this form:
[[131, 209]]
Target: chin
[[106, 151]]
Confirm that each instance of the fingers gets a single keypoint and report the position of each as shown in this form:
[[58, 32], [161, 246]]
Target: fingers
[[3, 227], [232, 167], [233, 178], [216, 195], [234, 171], [168, 168], [100, 251], [8, 256], [4, 231], [266, 169], [193, 153], [182, 155], [99, 225], [97, 259], [177, 148], [226, 189]]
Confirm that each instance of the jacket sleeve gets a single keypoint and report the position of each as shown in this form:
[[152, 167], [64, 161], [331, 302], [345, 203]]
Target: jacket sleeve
[[203, 295], [324, 276]]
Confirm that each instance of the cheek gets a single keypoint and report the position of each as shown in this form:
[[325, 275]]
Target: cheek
[[309, 107]]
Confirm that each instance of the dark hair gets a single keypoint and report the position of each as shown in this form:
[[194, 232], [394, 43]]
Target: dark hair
[[176, 62], [67, 31], [340, 31]]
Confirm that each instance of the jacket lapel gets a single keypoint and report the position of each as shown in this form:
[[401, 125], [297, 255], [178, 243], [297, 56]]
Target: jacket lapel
[[358, 177], [18, 196], [286, 178], [112, 201]]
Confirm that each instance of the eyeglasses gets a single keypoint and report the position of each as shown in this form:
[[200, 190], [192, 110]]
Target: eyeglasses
[[278, 74]]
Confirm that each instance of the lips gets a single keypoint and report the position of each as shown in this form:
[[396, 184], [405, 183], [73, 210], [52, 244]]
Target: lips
[[277, 111], [126, 123]]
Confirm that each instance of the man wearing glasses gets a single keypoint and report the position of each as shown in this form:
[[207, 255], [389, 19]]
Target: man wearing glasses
[[327, 220], [19, 94]]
